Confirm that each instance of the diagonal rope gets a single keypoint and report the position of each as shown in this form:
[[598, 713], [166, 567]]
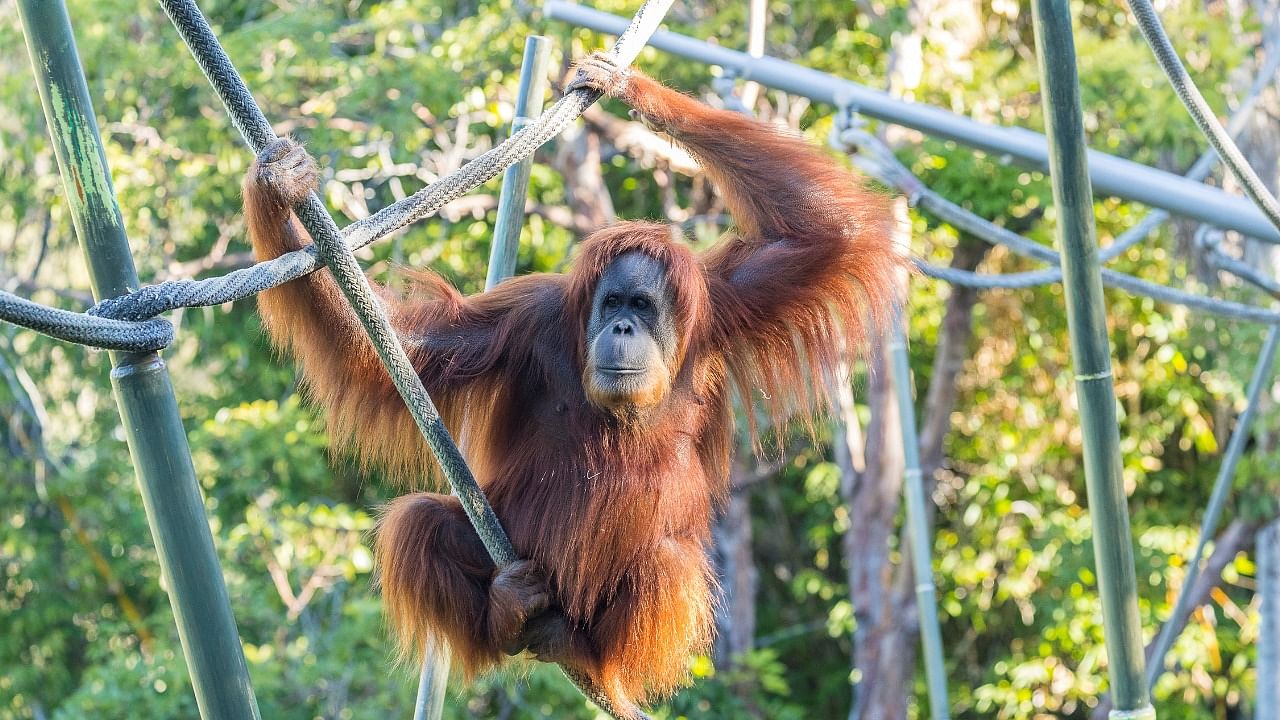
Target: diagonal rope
[[1189, 94], [155, 299], [338, 255]]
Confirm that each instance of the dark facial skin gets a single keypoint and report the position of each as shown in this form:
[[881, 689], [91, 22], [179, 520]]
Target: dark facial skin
[[631, 336]]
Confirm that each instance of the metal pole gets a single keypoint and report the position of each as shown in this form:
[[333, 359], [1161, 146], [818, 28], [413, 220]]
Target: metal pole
[[757, 24], [1091, 358], [157, 441], [515, 182], [918, 526], [502, 265], [1217, 501], [433, 682], [1111, 175]]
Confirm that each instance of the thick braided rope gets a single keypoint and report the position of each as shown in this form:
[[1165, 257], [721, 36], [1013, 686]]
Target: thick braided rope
[[84, 329], [1185, 87], [253, 125], [338, 255], [152, 300], [155, 299]]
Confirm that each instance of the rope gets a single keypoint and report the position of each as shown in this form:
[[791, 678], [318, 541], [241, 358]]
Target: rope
[[1036, 278], [338, 254], [1202, 114], [1189, 94], [84, 329], [963, 219], [877, 160], [155, 299], [152, 300]]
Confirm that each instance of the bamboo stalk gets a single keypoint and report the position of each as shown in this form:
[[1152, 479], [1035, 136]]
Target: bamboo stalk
[[1091, 359], [921, 538], [153, 428]]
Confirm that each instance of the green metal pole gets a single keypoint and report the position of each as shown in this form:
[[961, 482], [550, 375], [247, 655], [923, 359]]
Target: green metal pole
[[515, 182], [918, 526], [433, 683], [502, 265], [1091, 358], [1258, 384], [157, 441]]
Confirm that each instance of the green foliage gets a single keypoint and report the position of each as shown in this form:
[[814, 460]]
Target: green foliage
[[390, 95]]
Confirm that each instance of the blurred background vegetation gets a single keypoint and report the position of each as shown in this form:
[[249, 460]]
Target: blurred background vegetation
[[390, 95]]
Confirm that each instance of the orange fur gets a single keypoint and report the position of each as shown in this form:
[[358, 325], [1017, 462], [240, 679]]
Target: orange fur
[[617, 516]]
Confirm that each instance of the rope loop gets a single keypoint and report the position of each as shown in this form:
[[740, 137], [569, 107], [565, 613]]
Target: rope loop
[[86, 329]]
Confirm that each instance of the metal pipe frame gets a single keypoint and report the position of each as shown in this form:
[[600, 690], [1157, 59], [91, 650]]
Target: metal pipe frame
[[515, 182], [1110, 175], [918, 527], [433, 682]]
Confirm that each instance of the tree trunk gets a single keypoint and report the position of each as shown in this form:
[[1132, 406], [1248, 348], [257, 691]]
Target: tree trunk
[[873, 504], [873, 498], [578, 161], [902, 640], [883, 597], [735, 566], [948, 361]]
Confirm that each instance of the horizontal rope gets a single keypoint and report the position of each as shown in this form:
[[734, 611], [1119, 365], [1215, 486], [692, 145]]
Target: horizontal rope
[[963, 219], [152, 300], [83, 329]]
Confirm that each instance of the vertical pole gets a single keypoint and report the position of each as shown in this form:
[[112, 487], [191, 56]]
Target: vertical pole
[[1217, 502], [157, 441], [757, 19], [1091, 358], [502, 265], [515, 181], [433, 683], [1267, 698], [918, 526]]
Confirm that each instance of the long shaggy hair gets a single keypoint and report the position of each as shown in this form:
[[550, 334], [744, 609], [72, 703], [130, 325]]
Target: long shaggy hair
[[617, 515]]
